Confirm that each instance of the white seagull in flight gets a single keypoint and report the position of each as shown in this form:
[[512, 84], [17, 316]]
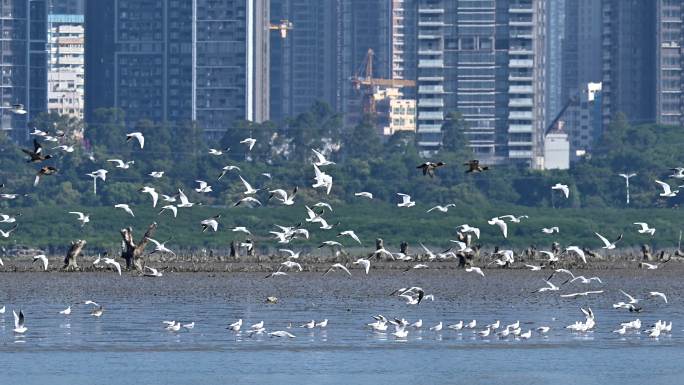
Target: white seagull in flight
[[125, 208], [83, 218], [405, 201], [667, 190], [249, 142], [138, 136], [364, 194], [645, 229], [563, 187], [249, 190], [19, 326], [320, 159], [607, 244]]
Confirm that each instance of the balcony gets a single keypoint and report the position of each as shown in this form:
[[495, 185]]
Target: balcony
[[518, 23], [520, 35], [525, 144], [520, 8], [432, 35], [526, 102], [520, 128], [519, 154], [429, 128], [520, 78], [430, 103], [431, 78], [431, 115], [520, 51], [431, 23], [520, 90], [430, 63], [430, 89], [520, 115], [431, 11], [429, 52]]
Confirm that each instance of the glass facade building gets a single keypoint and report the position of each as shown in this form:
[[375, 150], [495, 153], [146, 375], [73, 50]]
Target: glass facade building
[[23, 68], [177, 60]]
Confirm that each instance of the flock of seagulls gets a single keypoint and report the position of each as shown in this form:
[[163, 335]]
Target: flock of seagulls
[[318, 215]]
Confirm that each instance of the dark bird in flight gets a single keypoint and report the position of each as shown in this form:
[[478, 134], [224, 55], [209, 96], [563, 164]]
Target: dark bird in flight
[[430, 167], [37, 153], [45, 170], [474, 166]]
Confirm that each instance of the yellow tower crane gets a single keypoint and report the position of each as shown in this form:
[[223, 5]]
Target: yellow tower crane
[[363, 80]]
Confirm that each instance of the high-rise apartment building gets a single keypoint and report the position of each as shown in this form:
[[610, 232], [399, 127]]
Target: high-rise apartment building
[[65, 64], [629, 65], [583, 120], [66, 7], [23, 74], [581, 53], [360, 25], [328, 46], [176, 60], [555, 35], [642, 60], [302, 63], [581, 75], [483, 59], [403, 43], [669, 61]]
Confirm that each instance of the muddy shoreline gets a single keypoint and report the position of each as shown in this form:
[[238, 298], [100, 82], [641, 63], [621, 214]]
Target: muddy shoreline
[[270, 263]]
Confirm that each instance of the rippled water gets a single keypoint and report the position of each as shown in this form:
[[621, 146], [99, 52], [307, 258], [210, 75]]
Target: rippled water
[[128, 344]]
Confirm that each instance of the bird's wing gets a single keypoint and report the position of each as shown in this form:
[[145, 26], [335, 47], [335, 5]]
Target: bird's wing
[[665, 186], [428, 251], [155, 197], [603, 239], [153, 241], [504, 228], [345, 269], [318, 172], [183, 198], [37, 148], [244, 182], [119, 162], [627, 295], [280, 192], [321, 158]]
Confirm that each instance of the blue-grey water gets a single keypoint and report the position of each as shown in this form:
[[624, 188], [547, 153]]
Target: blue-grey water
[[129, 345]]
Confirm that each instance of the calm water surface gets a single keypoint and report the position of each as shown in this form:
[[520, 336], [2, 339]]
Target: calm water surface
[[129, 345]]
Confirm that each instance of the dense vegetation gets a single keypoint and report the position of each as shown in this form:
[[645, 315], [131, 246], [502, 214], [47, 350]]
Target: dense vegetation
[[364, 163]]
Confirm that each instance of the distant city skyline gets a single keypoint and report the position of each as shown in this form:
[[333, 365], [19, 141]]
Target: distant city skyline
[[177, 61], [509, 67]]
